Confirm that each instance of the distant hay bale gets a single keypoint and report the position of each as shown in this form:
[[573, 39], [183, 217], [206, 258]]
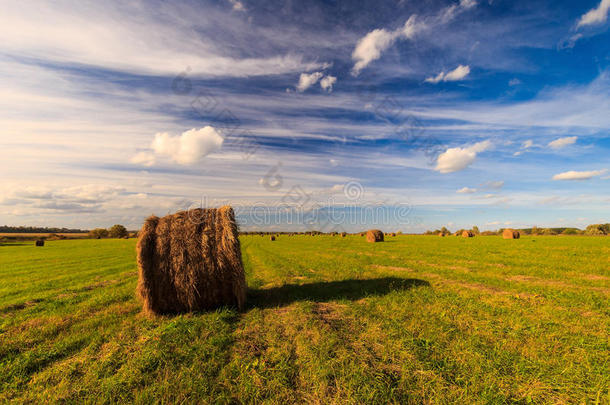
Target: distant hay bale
[[467, 234], [40, 242], [392, 234], [361, 233], [441, 234], [343, 234], [190, 261], [374, 235], [511, 234], [272, 238]]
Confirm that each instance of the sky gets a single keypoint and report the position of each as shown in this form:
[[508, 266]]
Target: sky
[[328, 115]]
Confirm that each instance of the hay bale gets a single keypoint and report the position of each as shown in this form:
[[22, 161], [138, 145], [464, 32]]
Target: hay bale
[[441, 234], [272, 238], [467, 234], [40, 242], [511, 234], [374, 235], [343, 234], [361, 233], [190, 261]]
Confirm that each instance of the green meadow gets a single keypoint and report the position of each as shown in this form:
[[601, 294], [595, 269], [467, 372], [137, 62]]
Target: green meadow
[[330, 320]]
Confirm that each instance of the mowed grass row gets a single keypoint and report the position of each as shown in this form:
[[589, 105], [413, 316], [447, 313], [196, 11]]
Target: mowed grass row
[[330, 320]]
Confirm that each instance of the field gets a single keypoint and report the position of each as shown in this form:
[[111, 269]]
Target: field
[[330, 320], [42, 235]]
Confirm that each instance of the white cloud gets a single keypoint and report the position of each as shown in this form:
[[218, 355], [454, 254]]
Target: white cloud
[[455, 159], [237, 5], [459, 73], [467, 4], [370, 47], [514, 82], [188, 148], [327, 82], [306, 80], [162, 41], [466, 190], [524, 147], [561, 142], [574, 175], [596, 16]]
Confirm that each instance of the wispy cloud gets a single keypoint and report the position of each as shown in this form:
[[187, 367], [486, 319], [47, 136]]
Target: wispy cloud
[[562, 142], [595, 16], [466, 190], [459, 73], [574, 175], [370, 47]]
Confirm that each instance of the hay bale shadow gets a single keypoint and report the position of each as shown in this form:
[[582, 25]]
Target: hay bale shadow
[[328, 291]]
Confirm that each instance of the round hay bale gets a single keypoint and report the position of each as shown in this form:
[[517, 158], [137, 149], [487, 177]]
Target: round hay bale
[[343, 234], [467, 234], [511, 234], [190, 261], [272, 238], [40, 242], [374, 235], [441, 235], [361, 233]]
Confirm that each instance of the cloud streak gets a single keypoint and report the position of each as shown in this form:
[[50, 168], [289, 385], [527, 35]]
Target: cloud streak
[[574, 175]]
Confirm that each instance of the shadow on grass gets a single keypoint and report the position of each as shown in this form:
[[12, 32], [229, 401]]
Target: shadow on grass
[[331, 290]]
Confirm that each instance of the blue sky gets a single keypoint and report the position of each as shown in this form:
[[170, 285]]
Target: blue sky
[[457, 113]]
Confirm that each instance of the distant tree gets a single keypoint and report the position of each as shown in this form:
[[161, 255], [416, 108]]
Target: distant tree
[[598, 229], [535, 230], [475, 230], [548, 231], [98, 233], [445, 231], [570, 231], [117, 231]]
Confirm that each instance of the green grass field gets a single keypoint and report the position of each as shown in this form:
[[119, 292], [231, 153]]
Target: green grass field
[[330, 320]]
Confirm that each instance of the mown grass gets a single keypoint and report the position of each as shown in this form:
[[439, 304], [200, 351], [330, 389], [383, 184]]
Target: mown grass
[[330, 320]]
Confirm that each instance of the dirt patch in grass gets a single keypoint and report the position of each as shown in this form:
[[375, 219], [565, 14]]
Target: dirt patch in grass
[[20, 306], [393, 268], [594, 277], [553, 283], [329, 313]]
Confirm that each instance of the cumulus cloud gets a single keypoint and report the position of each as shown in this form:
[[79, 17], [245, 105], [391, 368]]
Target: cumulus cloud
[[455, 159], [306, 80], [459, 73], [327, 82], [561, 142], [466, 190], [188, 148], [574, 175], [596, 16]]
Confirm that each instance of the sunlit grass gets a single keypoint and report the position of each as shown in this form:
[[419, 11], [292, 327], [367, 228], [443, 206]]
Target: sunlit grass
[[330, 320]]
